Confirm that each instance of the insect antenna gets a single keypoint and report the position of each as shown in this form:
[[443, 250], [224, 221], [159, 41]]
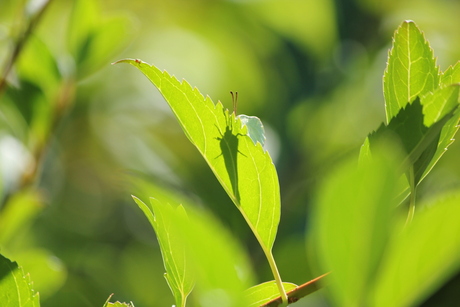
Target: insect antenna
[[234, 101]]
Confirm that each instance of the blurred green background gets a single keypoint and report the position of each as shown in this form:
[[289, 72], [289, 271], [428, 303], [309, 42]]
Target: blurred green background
[[78, 136]]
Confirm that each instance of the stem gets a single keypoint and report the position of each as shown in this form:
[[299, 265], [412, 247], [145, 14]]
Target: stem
[[20, 44], [276, 274], [413, 188]]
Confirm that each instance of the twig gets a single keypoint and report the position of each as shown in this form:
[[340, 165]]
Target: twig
[[299, 292], [21, 42]]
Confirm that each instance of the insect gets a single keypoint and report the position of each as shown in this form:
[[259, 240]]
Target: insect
[[255, 127]]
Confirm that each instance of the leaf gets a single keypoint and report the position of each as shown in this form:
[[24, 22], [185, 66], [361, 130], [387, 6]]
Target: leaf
[[245, 171], [255, 128], [421, 256], [221, 269], [424, 128], [439, 103], [178, 275], [411, 69], [117, 304], [451, 75], [265, 292], [15, 287], [93, 38], [351, 223]]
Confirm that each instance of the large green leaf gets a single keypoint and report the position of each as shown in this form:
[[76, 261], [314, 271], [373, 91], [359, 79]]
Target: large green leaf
[[411, 69], [351, 224], [243, 168], [15, 287], [420, 256], [178, 274]]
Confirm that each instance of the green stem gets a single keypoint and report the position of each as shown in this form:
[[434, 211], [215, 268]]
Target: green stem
[[413, 189], [276, 274]]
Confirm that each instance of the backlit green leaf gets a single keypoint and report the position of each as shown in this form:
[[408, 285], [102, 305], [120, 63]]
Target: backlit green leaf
[[421, 256], [179, 274], [351, 224], [265, 292], [439, 103], [411, 69], [16, 289], [245, 170], [451, 75], [200, 247]]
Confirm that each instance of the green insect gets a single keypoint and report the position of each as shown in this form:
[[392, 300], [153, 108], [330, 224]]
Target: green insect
[[256, 129]]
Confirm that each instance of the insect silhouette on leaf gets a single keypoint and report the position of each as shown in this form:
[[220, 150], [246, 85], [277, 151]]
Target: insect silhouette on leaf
[[229, 142]]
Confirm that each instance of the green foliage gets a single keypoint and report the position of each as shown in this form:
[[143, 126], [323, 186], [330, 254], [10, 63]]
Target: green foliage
[[15, 287], [92, 38], [195, 247], [243, 168], [411, 69], [356, 232], [421, 104], [180, 280], [63, 136], [227, 149], [351, 225], [375, 257]]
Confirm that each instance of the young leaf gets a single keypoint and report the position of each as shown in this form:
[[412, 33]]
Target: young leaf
[[351, 224], [420, 257], [178, 274], [117, 304], [92, 37], [206, 250], [411, 69], [15, 287], [425, 128], [451, 75], [245, 170], [439, 103], [265, 292]]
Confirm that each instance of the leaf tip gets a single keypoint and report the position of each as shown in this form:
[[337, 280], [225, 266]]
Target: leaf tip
[[130, 61]]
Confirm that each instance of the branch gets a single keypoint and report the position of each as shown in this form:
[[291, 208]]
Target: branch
[[299, 292], [21, 42]]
